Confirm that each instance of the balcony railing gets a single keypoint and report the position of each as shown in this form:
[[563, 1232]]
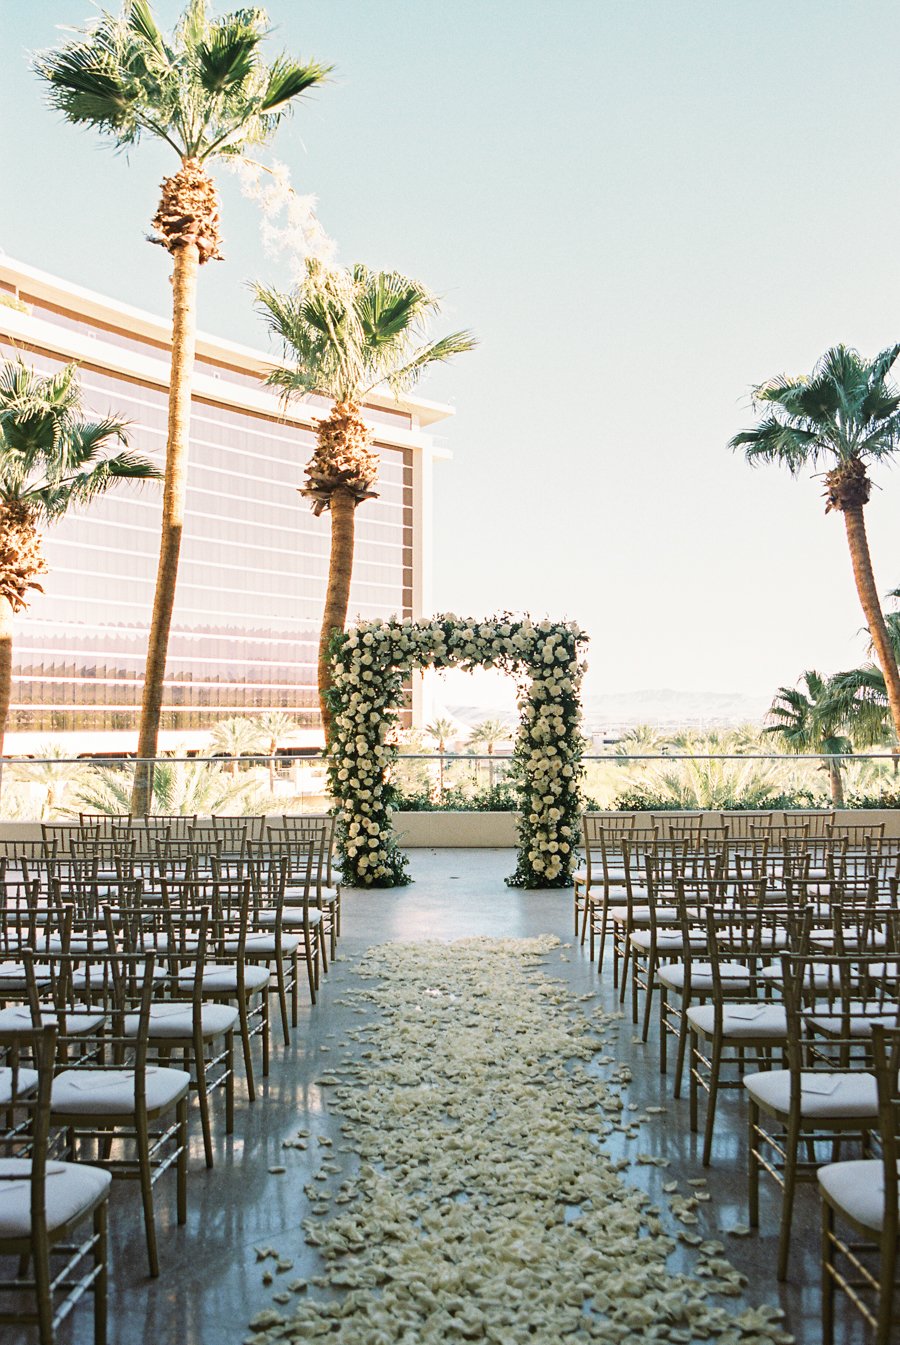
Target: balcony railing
[[43, 789]]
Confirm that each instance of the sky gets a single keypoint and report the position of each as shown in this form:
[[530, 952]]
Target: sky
[[643, 209]]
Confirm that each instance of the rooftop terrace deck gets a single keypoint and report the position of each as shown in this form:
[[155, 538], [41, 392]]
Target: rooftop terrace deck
[[211, 1282]]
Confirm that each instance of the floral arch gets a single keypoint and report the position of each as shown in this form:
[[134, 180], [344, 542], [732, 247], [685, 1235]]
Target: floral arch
[[370, 663]]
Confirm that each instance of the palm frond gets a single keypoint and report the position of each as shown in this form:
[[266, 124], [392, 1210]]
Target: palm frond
[[289, 79]]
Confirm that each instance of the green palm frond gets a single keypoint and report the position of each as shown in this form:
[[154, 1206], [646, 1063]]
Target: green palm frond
[[846, 410], [205, 90], [349, 330], [50, 457]]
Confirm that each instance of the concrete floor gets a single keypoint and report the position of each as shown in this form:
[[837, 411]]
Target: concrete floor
[[211, 1282]]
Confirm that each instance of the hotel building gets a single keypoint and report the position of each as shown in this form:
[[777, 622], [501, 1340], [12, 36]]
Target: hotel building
[[254, 559]]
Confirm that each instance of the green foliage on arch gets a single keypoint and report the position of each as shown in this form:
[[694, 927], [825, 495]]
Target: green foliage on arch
[[371, 663]]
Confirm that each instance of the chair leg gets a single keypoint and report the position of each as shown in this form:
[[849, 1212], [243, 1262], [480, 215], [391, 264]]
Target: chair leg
[[203, 1100], [295, 987], [311, 968], [143, 1148], [229, 1083], [42, 1281], [683, 1034], [663, 1030], [648, 1003], [282, 1001], [791, 1150], [181, 1166], [827, 1275], [245, 1042], [753, 1166], [715, 1069], [266, 1028], [101, 1283], [692, 1068]]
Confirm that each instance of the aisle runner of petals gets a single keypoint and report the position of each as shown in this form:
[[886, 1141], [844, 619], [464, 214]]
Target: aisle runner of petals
[[485, 1206]]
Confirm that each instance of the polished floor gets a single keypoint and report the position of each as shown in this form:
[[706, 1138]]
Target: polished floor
[[212, 1281]]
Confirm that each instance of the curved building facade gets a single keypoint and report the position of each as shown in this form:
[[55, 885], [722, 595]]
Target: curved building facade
[[254, 559]]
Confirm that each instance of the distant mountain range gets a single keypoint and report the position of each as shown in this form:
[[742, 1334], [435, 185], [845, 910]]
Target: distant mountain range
[[660, 708], [675, 709]]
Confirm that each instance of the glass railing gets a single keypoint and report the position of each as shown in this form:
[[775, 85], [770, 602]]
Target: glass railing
[[53, 787]]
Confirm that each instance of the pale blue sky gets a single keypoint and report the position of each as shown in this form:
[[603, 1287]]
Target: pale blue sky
[[643, 207]]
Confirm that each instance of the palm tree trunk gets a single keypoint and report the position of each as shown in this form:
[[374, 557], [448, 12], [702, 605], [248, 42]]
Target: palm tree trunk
[[6, 639], [273, 744], [836, 781], [855, 524], [184, 331], [337, 598]]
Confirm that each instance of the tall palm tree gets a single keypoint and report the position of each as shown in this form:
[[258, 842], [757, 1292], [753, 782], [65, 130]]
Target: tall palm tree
[[237, 737], [51, 460], [816, 721], [845, 414], [488, 734], [349, 330], [275, 726], [206, 92], [439, 730]]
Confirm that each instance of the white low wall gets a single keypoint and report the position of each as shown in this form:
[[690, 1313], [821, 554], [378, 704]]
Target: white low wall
[[482, 830], [458, 831]]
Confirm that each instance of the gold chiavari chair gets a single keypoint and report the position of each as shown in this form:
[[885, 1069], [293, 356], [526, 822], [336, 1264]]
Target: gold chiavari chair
[[660, 939], [44, 1203], [227, 975], [301, 918], [685, 978], [109, 826], [268, 943], [749, 824], [94, 1101], [670, 858], [739, 1026], [826, 1095], [320, 829], [595, 826], [863, 1194], [185, 1021]]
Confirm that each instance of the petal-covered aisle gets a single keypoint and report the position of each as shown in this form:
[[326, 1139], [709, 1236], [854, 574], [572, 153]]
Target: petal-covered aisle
[[473, 1196]]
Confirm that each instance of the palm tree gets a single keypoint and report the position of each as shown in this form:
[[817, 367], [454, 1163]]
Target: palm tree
[[349, 330], [845, 414], [51, 460], [191, 787], [275, 725], [439, 730], [237, 737], [206, 92], [810, 722], [488, 734]]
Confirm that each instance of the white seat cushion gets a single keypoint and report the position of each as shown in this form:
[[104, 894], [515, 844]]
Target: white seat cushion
[[857, 1188], [78, 1022], [819, 976], [874, 938], [110, 1092], [259, 944], [70, 1191], [176, 1019], [291, 916], [736, 976], [12, 976], [223, 980], [640, 915], [859, 1021], [26, 1083], [823, 1094], [667, 940], [742, 1021]]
